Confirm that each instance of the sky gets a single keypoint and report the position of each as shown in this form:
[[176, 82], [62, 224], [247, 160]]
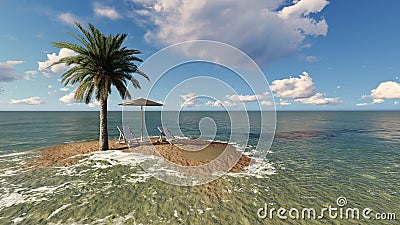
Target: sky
[[314, 54]]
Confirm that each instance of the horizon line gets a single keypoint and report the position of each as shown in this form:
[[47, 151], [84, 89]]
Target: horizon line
[[339, 110]]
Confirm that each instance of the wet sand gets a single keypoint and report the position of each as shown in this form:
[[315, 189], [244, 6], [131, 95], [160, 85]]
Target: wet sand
[[186, 153]]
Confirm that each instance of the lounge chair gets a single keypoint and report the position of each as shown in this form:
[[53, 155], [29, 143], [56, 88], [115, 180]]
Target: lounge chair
[[164, 132], [127, 135]]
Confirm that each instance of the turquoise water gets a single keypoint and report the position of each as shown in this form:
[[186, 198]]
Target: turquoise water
[[316, 157]]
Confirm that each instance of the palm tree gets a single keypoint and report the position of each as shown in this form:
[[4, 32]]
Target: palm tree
[[100, 63]]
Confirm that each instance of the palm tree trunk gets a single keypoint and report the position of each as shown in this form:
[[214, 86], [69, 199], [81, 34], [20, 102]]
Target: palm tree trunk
[[103, 141]]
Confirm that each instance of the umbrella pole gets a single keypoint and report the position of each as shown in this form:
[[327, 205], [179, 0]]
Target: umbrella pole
[[141, 123]]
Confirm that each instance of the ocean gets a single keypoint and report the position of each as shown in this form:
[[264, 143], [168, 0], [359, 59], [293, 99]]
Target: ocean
[[348, 161]]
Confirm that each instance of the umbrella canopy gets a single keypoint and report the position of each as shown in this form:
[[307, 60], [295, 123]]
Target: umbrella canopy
[[141, 102]]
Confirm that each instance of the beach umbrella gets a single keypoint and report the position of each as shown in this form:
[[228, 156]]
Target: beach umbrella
[[141, 102]]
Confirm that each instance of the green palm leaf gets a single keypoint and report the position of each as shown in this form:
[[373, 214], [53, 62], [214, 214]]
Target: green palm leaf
[[100, 63]]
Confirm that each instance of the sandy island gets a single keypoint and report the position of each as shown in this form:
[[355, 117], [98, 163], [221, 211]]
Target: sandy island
[[187, 153]]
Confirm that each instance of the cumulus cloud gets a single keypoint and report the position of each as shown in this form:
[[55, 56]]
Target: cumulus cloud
[[302, 90], [281, 102], [245, 98], [68, 99], [301, 87], [303, 8], [190, 100], [219, 103], [7, 70], [266, 103], [105, 11], [27, 101], [291, 90], [374, 102], [95, 103], [284, 102], [257, 27], [385, 90], [45, 68], [319, 99], [30, 74], [68, 18]]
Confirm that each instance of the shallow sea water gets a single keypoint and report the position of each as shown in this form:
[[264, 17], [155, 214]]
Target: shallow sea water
[[316, 158]]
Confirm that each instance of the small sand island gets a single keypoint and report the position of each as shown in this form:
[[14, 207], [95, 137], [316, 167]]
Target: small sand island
[[186, 153]]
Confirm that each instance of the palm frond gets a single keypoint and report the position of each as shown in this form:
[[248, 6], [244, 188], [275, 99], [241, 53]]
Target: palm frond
[[100, 63]]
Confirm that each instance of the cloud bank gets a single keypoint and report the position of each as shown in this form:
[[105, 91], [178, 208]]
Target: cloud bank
[[265, 30], [289, 90]]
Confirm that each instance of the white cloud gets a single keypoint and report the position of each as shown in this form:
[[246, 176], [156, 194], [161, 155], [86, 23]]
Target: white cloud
[[302, 87], [27, 101], [254, 26], [319, 99], [378, 101], [374, 102], [52, 58], [190, 100], [69, 98], [386, 90], [14, 62], [301, 90], [338, 86], [284, 102], [30, 74], [68, 18], [50, 86], [64, 89], [303, 8], [266, 103], [281, 102], [105, 11], [245, 98], [95, 103], [219, 103], [7, 70]]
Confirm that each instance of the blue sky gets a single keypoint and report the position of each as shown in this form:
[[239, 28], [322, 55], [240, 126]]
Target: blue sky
[[315, 54]]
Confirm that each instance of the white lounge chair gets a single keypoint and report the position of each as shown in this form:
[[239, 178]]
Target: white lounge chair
[[127, 135], [164, 132]]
